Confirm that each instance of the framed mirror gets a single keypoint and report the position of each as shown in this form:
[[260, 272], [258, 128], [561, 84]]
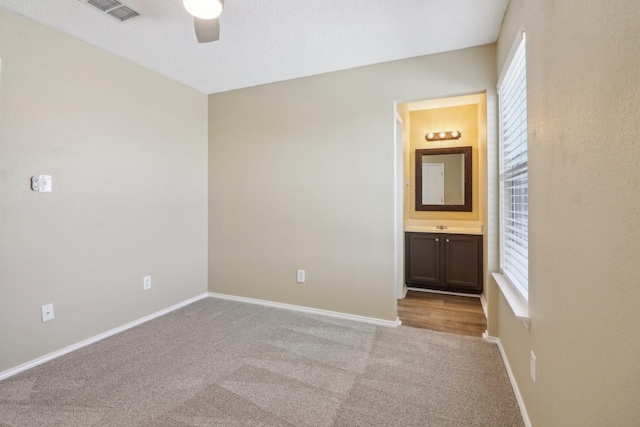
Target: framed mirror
[[443, 179]]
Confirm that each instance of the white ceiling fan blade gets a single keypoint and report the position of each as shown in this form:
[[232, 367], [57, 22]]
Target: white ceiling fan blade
[[207, 30]]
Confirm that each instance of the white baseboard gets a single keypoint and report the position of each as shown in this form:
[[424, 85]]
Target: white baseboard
[[40, 360], [512, 378], [433, 291], [310, 310]]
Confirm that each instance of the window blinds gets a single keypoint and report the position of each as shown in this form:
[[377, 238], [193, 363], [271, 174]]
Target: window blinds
[[514, 233]]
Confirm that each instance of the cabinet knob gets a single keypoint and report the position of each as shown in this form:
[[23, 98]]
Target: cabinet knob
[[437, 240], [447, 240]]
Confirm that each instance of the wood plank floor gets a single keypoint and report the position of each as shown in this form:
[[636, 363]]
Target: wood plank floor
[[446, 313]]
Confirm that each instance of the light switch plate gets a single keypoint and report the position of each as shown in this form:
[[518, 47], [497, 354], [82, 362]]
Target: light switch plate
[[47, 312], [146, 283], [45, 184], [42, 183]]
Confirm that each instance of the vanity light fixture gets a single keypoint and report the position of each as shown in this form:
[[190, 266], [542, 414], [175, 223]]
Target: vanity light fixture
[[442, 136]]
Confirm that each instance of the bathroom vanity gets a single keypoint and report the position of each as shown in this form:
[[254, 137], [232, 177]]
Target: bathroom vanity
[[444, 261], [439, 254]]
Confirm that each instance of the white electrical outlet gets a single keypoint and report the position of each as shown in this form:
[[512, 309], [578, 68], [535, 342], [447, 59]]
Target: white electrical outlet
[[301, 276], [533, 367], [146, 283], [47, 312]]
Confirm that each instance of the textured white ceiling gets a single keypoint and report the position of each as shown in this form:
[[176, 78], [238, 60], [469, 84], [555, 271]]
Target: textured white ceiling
[[268, 41]]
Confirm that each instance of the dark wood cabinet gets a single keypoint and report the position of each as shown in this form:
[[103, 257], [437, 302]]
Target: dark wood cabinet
[[445, 262]]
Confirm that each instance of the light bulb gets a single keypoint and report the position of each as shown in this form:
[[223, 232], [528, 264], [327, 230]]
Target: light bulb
[[203, 9], [442, 135], [430, 135], [455, 134]]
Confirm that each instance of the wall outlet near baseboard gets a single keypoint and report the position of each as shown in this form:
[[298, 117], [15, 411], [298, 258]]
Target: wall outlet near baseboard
[[47, 312], [533, 366], [301, 276], [146, 283]]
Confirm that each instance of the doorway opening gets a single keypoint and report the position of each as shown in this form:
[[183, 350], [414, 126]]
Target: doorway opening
[[413, 121]]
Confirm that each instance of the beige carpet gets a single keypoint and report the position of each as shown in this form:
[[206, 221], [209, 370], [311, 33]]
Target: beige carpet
[[224, 363]]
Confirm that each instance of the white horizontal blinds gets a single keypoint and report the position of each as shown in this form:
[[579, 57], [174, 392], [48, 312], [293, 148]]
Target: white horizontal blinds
[[513, 173]]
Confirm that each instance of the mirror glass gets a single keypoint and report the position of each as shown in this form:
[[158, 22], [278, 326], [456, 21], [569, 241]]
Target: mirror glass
[[443, 179]]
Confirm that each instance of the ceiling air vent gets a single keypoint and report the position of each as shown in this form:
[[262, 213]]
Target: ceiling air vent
[[113, 8]]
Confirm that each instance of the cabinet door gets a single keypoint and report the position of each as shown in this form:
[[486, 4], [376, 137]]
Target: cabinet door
[[422, 258], [463, 258]]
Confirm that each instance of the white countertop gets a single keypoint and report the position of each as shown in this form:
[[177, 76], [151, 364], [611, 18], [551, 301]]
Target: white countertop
[[452, 227]]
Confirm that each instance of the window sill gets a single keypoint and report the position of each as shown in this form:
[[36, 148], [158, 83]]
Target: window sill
[[518, 305]]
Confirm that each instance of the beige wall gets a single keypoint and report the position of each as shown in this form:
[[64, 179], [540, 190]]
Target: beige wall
[[301, 176], [127, 150], [583, 59], [463, 118]]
